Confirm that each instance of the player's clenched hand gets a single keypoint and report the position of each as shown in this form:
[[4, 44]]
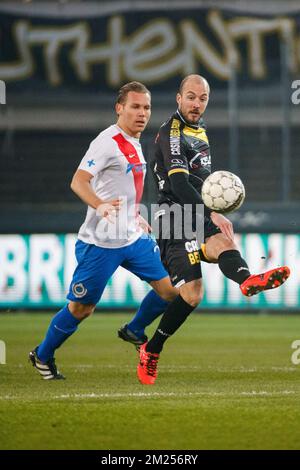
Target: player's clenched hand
[[144, 224], [109, 209], [224, 224]]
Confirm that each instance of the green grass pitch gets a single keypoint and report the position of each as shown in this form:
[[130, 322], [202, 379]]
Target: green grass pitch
[[225, 382]]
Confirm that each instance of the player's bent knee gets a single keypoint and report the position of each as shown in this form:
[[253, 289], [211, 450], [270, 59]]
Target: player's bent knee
[[216, 245], [81, 311], [192, 294], [228, 245], [193, 300], [225, 247]]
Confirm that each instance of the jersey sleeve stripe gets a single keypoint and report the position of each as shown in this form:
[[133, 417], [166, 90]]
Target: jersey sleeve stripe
[[178, 170]]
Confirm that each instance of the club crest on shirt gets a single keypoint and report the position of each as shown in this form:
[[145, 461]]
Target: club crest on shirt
[[79, 290]]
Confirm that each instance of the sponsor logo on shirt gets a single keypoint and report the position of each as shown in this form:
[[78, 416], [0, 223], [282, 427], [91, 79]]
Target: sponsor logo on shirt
[[175, 137], [136, 167], [192, 246], [200, 159]]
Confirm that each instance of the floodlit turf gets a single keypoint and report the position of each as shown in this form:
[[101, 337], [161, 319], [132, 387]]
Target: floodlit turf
[[225, 382]]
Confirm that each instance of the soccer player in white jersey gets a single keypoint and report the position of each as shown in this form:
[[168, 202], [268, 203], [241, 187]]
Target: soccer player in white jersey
[[110, 181]]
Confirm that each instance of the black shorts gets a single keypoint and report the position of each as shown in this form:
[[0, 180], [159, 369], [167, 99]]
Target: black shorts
[[181, 257]]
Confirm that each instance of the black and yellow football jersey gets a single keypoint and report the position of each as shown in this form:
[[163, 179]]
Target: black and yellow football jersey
[[180, 148]]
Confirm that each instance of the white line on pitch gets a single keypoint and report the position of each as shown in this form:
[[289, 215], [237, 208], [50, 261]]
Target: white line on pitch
[[177, 395], [174, 367], [251, 393]]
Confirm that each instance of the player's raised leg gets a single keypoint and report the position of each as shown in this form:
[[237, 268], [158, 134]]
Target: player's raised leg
[[269, 280], [222, 250]]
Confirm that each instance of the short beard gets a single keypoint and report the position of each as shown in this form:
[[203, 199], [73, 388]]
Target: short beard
[[193, 123]]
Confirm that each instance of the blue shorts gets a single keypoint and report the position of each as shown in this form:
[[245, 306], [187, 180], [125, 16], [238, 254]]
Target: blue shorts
[[96, 265]]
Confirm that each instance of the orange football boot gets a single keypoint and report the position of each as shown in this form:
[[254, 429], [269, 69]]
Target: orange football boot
[[147, 367], [268, 280]]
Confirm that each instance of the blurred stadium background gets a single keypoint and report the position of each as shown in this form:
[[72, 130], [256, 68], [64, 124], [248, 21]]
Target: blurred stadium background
[[225, 381], [62, 62]]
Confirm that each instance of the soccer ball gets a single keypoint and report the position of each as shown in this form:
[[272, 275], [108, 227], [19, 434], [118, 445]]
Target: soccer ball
[[223, 192]]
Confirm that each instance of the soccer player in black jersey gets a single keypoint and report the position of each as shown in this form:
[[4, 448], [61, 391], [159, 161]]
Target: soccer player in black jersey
[[181, 163]]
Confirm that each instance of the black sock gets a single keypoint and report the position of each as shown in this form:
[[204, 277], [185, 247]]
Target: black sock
[[175, 314], [233, 266]]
